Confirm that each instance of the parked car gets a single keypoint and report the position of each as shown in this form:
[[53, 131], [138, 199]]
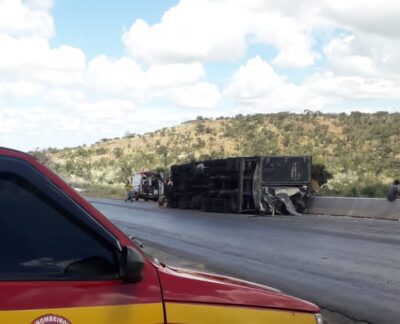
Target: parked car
[[62, 261]]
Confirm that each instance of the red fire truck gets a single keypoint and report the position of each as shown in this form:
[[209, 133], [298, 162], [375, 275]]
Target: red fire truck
[[62, 261]]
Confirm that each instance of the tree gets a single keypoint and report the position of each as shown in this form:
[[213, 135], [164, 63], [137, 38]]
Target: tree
[[320, 173]]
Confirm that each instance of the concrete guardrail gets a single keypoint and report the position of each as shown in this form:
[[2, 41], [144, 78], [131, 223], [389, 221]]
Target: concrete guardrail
[[358, 207]]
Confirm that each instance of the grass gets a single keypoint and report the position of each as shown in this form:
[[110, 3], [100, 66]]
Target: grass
[[370, 190], [103, 191]]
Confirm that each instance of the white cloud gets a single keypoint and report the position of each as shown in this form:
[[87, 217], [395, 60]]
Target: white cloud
[[19, 19], [364, 55], [64, 97], [354, 87], [222, 30], [91, 119], [32, 58], [167, 75], [209, 30], [253, 80], [39, 4], [190, 31], [379, 17], [341, 57], [115, 76], [20, 89], [125, 74], [181, 83], [199, 95], [107, 110], [292, 39], [256, 87]]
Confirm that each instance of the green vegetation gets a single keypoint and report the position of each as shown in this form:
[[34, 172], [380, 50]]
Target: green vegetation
[[361, 152]]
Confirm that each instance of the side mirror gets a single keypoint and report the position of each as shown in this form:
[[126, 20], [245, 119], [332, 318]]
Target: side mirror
[[131, 265], [136, 241]]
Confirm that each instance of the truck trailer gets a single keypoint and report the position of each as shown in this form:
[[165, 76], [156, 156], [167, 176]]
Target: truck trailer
[[254, 185]]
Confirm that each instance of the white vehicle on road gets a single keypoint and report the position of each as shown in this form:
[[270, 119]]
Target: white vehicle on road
[[147, 185]]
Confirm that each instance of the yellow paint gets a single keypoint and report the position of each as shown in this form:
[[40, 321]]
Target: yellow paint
[[206, 314], [127, 314]]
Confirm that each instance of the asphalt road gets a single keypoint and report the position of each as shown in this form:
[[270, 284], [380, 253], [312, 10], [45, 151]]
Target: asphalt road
[[346, 265]]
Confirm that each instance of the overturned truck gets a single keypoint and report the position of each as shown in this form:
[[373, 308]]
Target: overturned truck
[[260, 184]]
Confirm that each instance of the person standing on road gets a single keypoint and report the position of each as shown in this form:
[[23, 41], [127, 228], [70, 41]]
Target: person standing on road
[[145, 186], [393, 191], [168, 191], [128, 188]]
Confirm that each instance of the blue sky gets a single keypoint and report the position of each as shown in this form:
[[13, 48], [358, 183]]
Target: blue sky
[[97, 26], [72, 72]]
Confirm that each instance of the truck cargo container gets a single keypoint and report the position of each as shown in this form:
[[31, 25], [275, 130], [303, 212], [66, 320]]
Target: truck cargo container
[[259, 184]]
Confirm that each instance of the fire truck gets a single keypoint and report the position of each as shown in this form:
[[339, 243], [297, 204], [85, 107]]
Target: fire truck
[[69, 264]]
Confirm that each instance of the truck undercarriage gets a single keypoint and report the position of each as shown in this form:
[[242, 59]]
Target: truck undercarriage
[[261, 184]]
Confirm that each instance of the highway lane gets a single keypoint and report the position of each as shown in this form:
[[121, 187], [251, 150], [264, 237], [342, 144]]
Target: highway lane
[[348, 265]]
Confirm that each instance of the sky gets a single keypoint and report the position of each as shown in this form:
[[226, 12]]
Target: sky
[[73, 72]]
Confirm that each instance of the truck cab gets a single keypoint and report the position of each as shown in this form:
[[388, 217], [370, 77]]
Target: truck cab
[[64, 262]]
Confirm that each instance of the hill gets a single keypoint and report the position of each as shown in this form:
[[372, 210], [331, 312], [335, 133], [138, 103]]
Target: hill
[[361, 150]]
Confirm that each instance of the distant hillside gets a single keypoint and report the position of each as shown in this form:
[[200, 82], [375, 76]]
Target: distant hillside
[[360, 150]]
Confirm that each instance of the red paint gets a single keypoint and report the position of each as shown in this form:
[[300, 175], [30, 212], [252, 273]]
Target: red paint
[[181, 285], [60, 294]]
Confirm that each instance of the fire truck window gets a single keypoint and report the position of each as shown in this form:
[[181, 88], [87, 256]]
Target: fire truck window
[[40, 240]]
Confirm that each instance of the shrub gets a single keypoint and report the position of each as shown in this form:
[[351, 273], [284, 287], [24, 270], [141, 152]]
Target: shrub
[[118, 152], [320, 173]]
